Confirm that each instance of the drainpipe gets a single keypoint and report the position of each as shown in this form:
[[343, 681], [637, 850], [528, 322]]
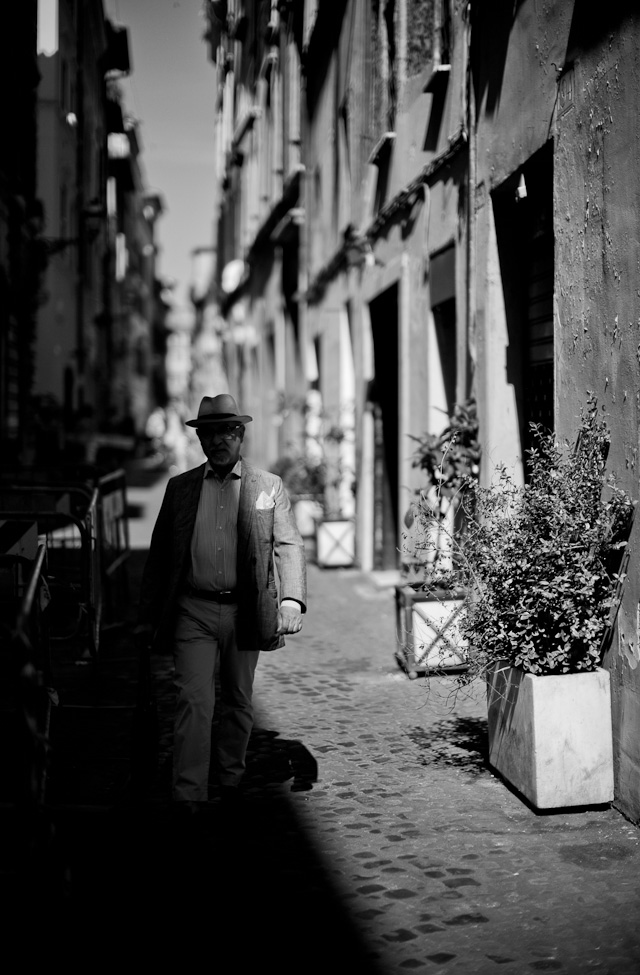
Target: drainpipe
[[365, 508], [404, 330], [404, 386], [80, 264], [469, 358]]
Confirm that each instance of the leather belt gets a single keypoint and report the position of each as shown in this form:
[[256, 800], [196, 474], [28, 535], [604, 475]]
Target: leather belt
[[213, 595]]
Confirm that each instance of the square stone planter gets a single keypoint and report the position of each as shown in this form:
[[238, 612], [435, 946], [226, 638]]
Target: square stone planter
[[335, 543], [428, 637], [550, 737]]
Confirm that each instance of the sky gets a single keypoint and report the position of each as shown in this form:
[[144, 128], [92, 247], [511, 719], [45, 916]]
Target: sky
[[171, 93]]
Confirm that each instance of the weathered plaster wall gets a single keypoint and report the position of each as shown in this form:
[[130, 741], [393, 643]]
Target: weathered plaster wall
[[499, 429], [597, 187], [515, 90], [320, 191], [428, 120], [556, 75], [425, 123], [409, 154], [516, 84]]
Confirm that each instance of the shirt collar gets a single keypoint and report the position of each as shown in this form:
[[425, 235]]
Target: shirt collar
[[235, 471]]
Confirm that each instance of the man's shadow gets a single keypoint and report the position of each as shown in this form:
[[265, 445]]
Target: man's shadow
[[273, 760]]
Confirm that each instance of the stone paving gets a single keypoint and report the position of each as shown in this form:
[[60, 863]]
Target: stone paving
[[371, 791], [374, 839], [442, 866]]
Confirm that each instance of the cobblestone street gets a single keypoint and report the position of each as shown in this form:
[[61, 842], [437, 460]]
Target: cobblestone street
[[443, 868], [350, 286], [374, 837]]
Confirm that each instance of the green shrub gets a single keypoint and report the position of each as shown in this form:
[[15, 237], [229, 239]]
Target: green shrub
[[301, 475], [543, 561]]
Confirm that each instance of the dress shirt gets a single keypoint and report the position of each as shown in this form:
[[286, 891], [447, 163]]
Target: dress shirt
[[214, 542]]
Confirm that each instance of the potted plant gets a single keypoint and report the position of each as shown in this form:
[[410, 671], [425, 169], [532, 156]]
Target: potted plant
[[544, 565], [430, 597], [304, 479], [450, 461]]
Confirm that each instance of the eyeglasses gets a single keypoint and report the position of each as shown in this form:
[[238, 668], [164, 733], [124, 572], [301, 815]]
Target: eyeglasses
[[229, 432]]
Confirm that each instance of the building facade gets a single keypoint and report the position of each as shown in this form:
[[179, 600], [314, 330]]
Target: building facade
[[132, 377], [96, 368], [22, 253], [556, 309], [457, 220], [255, 49]]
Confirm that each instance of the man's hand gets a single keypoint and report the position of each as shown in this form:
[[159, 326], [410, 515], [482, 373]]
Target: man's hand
[[289, 618]]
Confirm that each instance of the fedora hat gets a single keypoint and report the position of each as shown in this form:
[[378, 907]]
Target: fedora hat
[[218, 409]]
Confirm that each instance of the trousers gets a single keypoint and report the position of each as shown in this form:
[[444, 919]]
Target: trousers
[[206, 646]]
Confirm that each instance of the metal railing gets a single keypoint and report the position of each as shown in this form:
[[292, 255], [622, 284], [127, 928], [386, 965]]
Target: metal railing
[[30, 653], [65, 587], [73, 546], [115, 547], [87, 535]]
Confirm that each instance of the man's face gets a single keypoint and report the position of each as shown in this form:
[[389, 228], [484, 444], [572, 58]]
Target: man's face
[[221, 443]]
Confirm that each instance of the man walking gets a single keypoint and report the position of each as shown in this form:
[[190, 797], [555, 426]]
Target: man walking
[[209, 591]]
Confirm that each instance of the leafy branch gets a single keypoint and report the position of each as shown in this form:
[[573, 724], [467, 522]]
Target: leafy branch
[[543, 563]]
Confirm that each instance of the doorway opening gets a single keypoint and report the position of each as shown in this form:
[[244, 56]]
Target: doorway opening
[[384, 394], [523, 209]]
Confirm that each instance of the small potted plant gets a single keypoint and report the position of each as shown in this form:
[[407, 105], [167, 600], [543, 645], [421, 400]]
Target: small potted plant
[[304, 478], [544, 565], [430, 598]]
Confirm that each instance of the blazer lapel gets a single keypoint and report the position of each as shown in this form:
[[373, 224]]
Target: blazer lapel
[[188, 508]]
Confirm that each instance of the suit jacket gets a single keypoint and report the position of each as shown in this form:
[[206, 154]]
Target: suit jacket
[[266, 538]]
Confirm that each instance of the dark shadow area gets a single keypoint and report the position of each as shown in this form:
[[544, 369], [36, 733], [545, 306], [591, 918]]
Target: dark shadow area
[[317, 57], [491, 26], [271, 759], [383, 395], [587, 31], [551, 811], [524, 231], [245, 891], [435, 117], [107, 872], [455, 743], [135, 510], [382, 182]]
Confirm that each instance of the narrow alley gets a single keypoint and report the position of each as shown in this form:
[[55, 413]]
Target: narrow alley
[[374, 836], [348, 291]]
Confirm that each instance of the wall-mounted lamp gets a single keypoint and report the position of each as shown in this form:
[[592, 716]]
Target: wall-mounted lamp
[[521, 189]]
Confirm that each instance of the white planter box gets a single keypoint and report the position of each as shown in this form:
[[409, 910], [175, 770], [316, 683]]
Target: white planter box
[[550, 737], [429, 640], [335, 543], [437, 643]]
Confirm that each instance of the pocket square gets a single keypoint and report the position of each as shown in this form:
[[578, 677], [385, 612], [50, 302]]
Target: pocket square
[[266, 500]]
